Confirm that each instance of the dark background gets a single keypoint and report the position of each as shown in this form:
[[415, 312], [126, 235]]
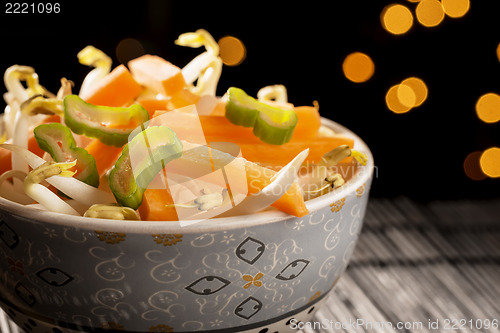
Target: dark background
[[302, 45]]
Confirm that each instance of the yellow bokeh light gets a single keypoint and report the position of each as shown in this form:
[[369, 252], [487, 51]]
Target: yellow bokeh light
[[396, 19], [406, 95], [419, 89], [488, 108], [490, 162], [410, 93], [393, 102], [472, 167], [455, 8], [232, 50], [429, 12], [358, 67]]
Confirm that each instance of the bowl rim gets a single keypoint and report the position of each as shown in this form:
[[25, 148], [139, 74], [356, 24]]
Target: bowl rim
[[362, 177]]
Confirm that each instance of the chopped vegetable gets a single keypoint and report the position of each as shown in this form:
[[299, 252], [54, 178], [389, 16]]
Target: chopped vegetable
[[70, 186], [308, 123], [57, 140], [116, 89], [105, 156], [90, 56], [281, 182], [42, 194], [270, 124], [17, 95], [141, 160], [111, 125], [277, 156], [330, 173], [157, 206], [206, 68], [37, 104], [6, 155], [274, 94], [257, 177], [111, 212], [181, 99], [157, 74], [207, 201], [153, 105], [10, 193], [307, 127], [157, 143]]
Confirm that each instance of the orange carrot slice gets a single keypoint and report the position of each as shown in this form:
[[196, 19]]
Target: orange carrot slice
[[274, 156], [181, 99], [257, 176], [153, 105], [154, 206], [308, 124], [105, 156], [292, 202], [5, 160], [157, 74], [219, 110], [115, 89]]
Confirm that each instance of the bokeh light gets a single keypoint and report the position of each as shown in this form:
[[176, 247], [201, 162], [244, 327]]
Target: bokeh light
[[232, 50], [358, 67], [429, 12], [490, 162], [410, 93], [488, 108], [128, 49], [419, 89], [397, 19], [393, 102], [472, 168], [498, 51], [406, 95], [455, 8]]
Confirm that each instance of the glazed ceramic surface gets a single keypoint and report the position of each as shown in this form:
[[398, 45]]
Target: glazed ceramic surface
[[262, 271]]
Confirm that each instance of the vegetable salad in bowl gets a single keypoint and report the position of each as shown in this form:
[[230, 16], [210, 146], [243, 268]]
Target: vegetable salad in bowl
[[152, 141], [147, 203]]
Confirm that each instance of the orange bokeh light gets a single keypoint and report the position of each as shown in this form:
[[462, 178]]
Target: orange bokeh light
[[472, 168], [393, 102], [358, 67], [490, 162], [488, 108], [429, 12], [410, 93], [397, 19], [419, 88], [455, 8], [232, 50]]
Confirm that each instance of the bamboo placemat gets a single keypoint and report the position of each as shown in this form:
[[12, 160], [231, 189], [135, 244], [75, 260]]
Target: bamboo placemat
[[431, 268]]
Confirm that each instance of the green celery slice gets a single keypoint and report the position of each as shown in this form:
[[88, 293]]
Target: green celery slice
[[111, 125], [57, 140], [132, 174], [270, 124]]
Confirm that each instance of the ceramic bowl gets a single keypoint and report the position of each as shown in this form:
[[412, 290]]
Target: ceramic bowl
[[264, 272]]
